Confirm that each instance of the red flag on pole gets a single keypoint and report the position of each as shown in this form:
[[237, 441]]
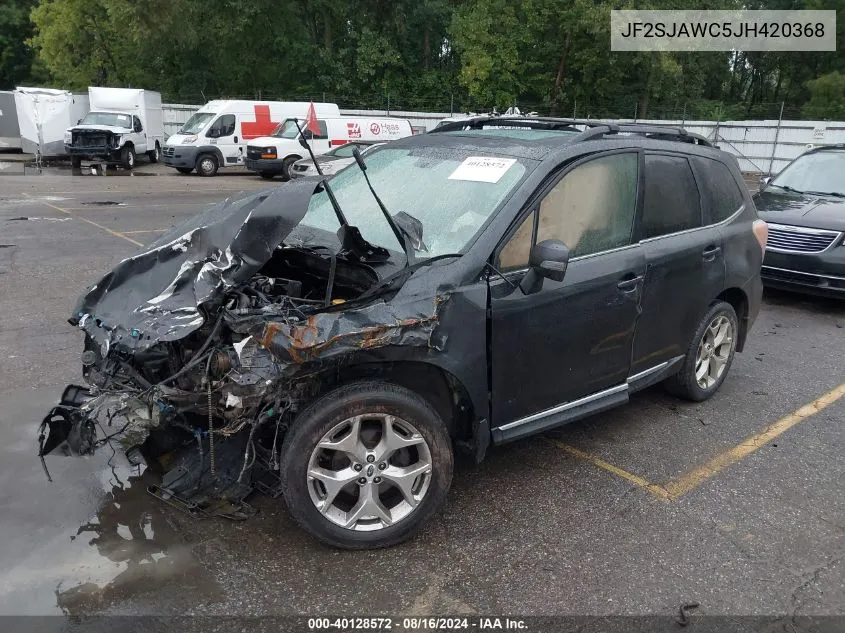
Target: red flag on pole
[[311, 121]]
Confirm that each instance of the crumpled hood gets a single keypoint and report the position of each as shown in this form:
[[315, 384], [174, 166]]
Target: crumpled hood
[[156, 294]]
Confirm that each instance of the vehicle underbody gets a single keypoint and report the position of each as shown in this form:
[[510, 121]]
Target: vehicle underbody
[[201, 350]]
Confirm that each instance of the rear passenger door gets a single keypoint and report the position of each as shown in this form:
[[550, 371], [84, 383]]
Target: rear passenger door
[[685, 265]]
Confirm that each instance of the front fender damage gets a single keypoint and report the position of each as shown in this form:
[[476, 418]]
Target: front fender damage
[[230, 410]]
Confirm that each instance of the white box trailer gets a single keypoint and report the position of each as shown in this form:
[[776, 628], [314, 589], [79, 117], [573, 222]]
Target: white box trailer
[[10, 130], [122, 123], [43, 116]]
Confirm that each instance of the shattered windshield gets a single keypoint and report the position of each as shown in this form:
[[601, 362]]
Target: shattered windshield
[[196, 123], [111, 119], [451, 192], [820, 172]]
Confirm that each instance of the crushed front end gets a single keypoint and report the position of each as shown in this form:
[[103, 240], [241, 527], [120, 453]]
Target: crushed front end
[[200, 350]]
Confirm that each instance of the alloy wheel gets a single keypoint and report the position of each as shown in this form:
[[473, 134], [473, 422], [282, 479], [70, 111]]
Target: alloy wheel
[[369, 472], [714, 352]]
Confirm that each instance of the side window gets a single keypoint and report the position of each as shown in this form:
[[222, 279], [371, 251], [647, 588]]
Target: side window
[[136, 124], [345, 151], [720, 192], [591, 209], [671, 202], [223, 126], [514, 255], [324, 133]]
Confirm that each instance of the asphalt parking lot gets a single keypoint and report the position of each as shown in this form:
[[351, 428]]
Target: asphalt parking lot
[[736, 503]]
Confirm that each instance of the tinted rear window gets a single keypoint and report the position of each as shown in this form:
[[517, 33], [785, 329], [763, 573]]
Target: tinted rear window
[[720, 192], [671, 202]]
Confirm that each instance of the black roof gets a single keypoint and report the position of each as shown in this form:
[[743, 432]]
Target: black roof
[[489, 134]]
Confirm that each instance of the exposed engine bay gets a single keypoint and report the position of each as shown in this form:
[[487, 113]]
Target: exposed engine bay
[[200, 350]]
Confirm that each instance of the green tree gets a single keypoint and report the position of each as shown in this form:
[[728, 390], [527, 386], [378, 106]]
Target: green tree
[[16, 57], [827, 97]]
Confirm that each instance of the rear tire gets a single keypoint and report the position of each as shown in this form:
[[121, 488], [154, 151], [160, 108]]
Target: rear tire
[[398, 439], [207, 165], [184, 170], [127, 157], [155, 154], [709, 355], [267, 175]]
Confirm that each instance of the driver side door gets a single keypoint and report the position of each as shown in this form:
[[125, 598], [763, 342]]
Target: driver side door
[[564, 351], [223, 133]]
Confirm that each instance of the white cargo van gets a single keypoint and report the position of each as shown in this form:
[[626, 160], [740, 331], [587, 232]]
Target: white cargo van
[[275, 154], [122, 123], [217, 134]]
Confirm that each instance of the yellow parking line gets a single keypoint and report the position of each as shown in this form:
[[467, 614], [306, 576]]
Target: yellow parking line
[[91, 222], [696, 477], [678, 487], [657, 491]]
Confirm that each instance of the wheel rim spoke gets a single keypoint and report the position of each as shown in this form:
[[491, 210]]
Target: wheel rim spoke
[[702, 370], [405, 478], [350, 444], [391, 441], [333, 482], [369, 506]]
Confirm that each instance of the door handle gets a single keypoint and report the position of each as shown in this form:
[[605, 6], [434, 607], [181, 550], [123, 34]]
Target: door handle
[[629, 282], [709, 253], [236, 139]]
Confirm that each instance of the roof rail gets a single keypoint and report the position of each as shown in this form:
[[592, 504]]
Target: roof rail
[[531, 122], [595, 129]]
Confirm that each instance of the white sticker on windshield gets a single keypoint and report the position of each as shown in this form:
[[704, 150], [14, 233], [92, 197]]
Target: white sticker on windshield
[[482, 169]]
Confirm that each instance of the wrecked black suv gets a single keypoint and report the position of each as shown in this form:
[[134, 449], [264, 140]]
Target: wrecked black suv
[[335, 341]]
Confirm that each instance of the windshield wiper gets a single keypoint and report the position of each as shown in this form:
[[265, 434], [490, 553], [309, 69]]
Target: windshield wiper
[[834, 194], [786, 188], [351, 240], [400, 236]]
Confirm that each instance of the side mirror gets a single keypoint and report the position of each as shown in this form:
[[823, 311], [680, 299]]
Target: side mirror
[[764, 181], [79, 121], [548, 260]]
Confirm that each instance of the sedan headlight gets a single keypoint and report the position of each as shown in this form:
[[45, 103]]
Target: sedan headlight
[[189, 139]]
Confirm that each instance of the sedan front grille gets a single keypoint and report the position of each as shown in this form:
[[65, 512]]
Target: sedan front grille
[[799, 239]]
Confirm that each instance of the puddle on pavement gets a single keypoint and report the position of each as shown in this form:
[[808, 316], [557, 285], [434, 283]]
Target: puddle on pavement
[[20, 168], [126, 558]]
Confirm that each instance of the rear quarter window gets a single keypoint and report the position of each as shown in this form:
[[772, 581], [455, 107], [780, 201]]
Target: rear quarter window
[[720, 192]]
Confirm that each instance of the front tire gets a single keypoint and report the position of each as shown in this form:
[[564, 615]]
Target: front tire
[[155, 154], [207, 165], [366, 466], [127, 157], [286, 166], [709, 355]]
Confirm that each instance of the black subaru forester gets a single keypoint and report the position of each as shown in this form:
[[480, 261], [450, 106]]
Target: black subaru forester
[[336, 340]]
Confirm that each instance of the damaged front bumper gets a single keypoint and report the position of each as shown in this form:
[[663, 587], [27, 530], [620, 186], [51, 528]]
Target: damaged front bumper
[[201, 349]]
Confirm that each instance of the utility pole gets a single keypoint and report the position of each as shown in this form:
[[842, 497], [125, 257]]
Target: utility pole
[[777, 134]]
